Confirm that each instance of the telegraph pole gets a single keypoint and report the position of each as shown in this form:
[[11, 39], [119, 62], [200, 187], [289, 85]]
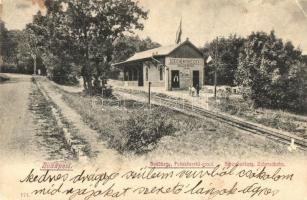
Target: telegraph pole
[[215, 66], [149, 87]]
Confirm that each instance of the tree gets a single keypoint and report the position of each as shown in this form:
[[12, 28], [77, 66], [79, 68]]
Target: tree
[[297, 87], [9, 43], [94, 26], [226, 52], [28, 46], [56, 47], [272, 73], [3, 41], [14, 37], [3, 36], [77, 35], [127, 46]]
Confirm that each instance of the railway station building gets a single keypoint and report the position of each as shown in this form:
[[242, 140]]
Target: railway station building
[[172, 67]]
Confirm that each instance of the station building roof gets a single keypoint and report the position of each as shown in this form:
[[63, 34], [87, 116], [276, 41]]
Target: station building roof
[[156, 52]]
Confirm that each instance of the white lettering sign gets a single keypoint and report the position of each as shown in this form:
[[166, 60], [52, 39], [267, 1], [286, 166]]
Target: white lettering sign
[[185, 62]]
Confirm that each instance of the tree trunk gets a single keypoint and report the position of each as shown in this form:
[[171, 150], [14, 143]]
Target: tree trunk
[[87, 80], [89, 86], [34, 60], [84, 83]]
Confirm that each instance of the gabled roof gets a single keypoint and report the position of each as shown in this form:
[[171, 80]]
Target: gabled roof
[[160, 51]]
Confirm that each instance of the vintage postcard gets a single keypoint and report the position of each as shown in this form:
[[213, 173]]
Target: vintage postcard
[[153, 99]]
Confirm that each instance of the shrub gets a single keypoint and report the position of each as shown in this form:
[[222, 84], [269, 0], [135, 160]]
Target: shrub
[[63, 75], [4, 78], [107, 92], [234, 106], [8, 68], [144, 128]]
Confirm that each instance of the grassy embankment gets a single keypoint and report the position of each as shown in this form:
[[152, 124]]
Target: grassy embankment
[[130, 127], [278, 119]]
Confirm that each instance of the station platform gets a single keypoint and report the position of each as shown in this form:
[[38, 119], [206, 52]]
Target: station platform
[[202, 100]]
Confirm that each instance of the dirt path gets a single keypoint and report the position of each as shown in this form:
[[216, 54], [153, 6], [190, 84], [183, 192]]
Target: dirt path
[[28, 131], [17, 129], [82, 130]]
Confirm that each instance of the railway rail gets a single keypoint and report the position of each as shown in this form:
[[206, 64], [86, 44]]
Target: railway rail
[[188, 108]]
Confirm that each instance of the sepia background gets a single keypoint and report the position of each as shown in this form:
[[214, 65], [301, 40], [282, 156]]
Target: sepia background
[[23, 110]]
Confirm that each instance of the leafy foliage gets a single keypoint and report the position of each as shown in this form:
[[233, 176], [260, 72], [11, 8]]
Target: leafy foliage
[[127, 46], [16, 52], [3, 40], [225, 51], [94, 26], [77, 37], [144, 129], [272, 73]]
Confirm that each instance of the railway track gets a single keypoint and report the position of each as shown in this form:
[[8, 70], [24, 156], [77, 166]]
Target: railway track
[[186, 107]]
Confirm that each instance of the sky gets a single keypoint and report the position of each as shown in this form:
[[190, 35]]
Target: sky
[[202, 20]]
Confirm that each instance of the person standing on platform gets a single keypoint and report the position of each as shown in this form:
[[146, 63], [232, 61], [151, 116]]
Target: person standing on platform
[[197, 90]]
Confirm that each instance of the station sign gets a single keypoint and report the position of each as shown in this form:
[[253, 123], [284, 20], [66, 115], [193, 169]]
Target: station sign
[[184, 62]]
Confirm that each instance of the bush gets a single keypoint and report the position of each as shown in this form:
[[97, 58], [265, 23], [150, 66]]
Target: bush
[[233, 106], [63, 76], [107, 92], [4, 78], [144, 128], [9, 68]]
